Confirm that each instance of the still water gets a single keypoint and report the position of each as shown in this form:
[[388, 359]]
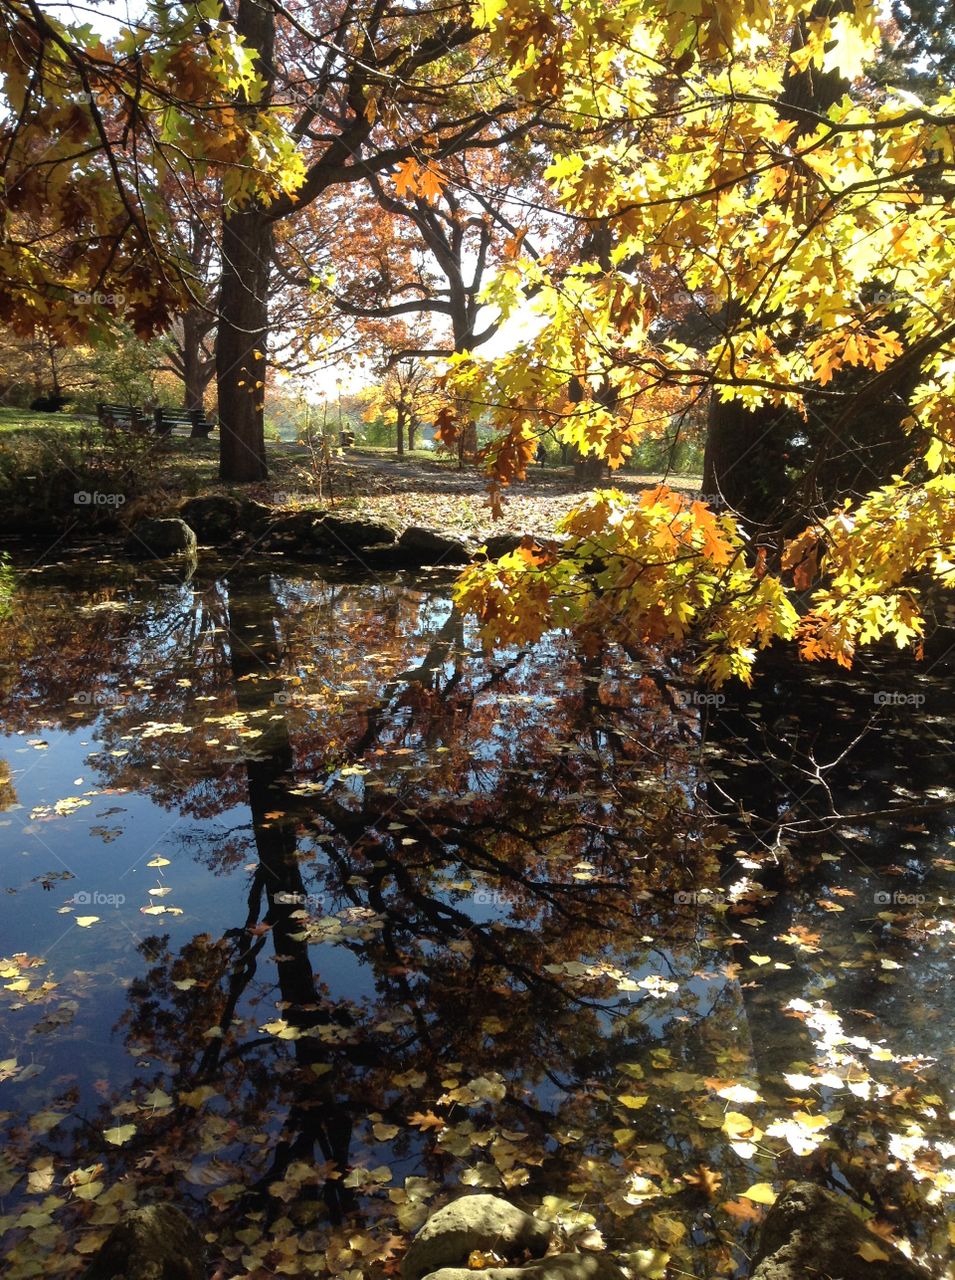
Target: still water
[[313, 916]]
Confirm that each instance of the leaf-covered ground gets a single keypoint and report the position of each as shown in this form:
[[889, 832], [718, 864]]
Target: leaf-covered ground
[[424, 490]]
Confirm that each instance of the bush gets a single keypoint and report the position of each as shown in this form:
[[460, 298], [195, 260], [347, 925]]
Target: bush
[[50, 480]]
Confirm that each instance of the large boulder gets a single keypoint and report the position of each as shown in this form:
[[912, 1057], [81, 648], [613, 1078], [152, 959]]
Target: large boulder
[[813, 1232], [341, 535], [425, 546], [254, 516], [214, 517], [559, 1266], [160, 538], [473, 1222], [156, 1242]]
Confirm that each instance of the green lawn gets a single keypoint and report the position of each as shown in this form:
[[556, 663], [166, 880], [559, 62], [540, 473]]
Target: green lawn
[[388, 453], [14, 421]]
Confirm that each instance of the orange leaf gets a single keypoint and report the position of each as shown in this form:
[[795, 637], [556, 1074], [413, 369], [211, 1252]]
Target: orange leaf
[[425, 1120]]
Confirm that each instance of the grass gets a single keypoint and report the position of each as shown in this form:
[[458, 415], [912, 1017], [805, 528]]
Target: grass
[[21, 421], [388, 453]]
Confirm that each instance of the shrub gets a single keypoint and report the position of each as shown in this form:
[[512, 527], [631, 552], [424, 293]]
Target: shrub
[[51, 480]]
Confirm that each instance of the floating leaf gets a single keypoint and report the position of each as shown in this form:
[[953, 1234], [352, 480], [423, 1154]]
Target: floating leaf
[[634, 1101], [761, 1192], [120, 1134]]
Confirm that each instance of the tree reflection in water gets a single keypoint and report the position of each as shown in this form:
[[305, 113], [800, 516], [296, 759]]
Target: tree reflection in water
[[476, 948]]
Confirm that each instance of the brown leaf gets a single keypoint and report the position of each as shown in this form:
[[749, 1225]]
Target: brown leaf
[[706, 1180]]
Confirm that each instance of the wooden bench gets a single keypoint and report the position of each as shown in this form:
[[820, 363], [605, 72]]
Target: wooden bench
[[166, 420], [123, 415]]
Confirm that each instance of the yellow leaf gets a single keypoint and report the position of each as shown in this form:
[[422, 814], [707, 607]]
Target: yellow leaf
[[85, 921], [761, 1192], [120, 1134], [633, 1100]]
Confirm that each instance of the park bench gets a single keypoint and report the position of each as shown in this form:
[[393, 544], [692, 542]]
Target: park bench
[[166, 420], [122, 415]]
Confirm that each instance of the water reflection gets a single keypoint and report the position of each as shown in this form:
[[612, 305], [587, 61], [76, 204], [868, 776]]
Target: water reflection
[[398, 918]]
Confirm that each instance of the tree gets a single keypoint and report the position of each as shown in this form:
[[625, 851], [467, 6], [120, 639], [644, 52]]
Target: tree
[[920, 50], [427, 246], [190, 340], [284, 112], [800, 222], [405, 391], [388, 90]]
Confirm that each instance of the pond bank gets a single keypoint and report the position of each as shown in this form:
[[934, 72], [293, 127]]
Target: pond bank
[[808, 1232]]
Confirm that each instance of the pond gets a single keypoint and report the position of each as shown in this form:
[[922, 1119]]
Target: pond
[[314, 915]]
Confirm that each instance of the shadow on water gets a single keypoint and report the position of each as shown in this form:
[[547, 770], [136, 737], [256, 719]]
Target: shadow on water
[[316, 915]]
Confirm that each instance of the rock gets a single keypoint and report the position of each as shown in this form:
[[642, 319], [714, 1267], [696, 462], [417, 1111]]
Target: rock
[[160, 538], [473, 1222], [560, 1266], [387, 556], [301, 525], [156, 1242], [214, 517], [501, 544], [292, 531], [813, 1232], [425, 546], [341, 535], [254, 516]]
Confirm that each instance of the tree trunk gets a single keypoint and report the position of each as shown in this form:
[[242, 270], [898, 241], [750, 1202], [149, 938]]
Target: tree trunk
[[588, 467], [242, 335], [240, 344], [400, 430], [194, 383], [743, 462]]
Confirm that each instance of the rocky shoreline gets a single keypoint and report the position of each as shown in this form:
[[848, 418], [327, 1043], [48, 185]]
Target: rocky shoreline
[[309, 533], [808, 1232]]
